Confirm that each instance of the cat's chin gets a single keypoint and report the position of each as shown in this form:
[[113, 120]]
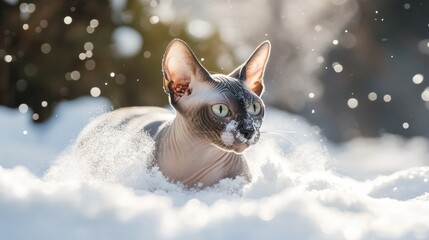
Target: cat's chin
[[239, 148]]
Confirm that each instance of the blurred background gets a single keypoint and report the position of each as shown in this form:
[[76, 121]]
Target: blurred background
[[351, 67]]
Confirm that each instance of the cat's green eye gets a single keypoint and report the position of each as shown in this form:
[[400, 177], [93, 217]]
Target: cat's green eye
[[220, 110], [254, 108]]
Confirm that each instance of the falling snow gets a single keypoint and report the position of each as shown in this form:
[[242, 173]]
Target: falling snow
[[418, 78], [68, 20], [372, 96], [387, 98], [337, 67], [23, 108], [8, 58], [352, 103], [425, 95], [405, 125], [95, 92]]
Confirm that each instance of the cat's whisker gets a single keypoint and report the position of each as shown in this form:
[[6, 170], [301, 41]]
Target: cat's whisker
[[289, 138], [278, 131], [262, 140]]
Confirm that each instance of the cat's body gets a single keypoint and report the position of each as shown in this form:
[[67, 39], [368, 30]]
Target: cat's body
[[217, 117]]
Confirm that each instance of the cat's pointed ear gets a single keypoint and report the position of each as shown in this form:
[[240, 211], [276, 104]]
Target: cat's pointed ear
[[181, 70], [252, 71]]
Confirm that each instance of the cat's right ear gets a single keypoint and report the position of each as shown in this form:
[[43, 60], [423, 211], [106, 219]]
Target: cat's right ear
[[181, 69]]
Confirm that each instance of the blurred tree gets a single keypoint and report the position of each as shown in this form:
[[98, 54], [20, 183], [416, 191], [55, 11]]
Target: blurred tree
[[45, 51], [54, 50]]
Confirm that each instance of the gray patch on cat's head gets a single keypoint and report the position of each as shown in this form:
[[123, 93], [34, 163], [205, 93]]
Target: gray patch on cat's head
[[239, 129]]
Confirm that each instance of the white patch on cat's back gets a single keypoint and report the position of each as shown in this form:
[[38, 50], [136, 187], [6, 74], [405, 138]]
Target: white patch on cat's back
[[227, 135]]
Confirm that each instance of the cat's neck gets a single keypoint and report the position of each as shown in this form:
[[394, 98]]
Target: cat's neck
[[182, 142], [190, 159]]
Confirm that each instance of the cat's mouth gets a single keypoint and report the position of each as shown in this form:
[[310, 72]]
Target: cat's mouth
[[236, 142], [238, 139]]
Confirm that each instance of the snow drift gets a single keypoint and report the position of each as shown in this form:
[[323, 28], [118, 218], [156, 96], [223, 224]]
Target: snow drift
[[303, 188]]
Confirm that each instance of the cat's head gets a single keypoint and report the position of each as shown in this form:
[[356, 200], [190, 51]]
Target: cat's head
[[226, 110]]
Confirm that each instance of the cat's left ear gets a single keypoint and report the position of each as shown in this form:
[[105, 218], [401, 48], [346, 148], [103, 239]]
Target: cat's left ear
[[252, 71]]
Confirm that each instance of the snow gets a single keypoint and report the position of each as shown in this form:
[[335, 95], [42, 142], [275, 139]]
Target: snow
[[127, 41], [303, 187], [227, 135]]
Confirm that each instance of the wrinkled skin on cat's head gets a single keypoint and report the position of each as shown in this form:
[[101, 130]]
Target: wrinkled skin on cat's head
[[225, 110]]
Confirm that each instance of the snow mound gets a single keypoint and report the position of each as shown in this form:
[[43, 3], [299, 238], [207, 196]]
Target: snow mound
[[296, 191], [403, 185]]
